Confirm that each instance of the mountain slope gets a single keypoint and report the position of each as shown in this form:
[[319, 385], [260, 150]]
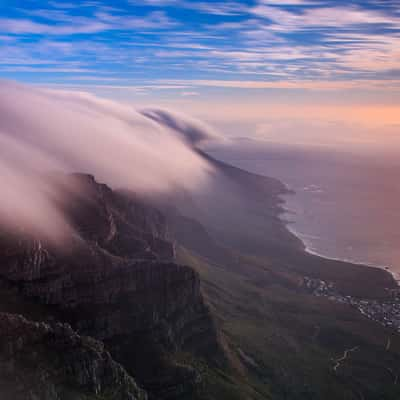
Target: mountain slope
[[115, 281], [209, 298], [51, 361], [292, 343]]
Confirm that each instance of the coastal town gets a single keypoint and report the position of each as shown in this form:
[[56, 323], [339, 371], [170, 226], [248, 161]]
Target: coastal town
[[385, 312]]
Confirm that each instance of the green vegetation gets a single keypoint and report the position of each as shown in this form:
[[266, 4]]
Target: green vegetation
[[284, 342]]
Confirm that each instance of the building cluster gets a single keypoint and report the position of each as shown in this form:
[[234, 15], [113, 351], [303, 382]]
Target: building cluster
[[385, 312]]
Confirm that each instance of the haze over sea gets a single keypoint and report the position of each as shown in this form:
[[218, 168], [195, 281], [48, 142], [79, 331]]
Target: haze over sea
[[345, 205]]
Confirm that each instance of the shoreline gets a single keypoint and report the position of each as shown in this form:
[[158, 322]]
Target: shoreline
[[302, 237], [395, 275]]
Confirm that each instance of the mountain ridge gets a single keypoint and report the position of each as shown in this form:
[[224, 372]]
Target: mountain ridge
[[122, 288], [190, 296]]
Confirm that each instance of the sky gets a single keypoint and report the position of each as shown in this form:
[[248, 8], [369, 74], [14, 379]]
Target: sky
[[304, 71]]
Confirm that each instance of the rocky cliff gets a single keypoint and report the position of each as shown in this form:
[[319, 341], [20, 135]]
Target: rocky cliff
[[51, 361], [115, 280]]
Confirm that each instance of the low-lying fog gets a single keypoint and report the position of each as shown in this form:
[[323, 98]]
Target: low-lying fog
[[43, 131]]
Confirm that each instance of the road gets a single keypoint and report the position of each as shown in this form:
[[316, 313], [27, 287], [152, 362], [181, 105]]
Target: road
[[339, 361]]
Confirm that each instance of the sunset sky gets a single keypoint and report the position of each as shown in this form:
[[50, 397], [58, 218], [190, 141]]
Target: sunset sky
[[301, 71]]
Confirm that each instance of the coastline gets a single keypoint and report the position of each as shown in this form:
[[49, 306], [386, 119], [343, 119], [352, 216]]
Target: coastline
[[395, 275], [287, 216], [307, 247]]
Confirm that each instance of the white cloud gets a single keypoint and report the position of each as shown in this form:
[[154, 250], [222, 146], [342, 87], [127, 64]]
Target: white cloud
[[187, 94], [322, 17], [226, 8], [46, 130], [61, 23], [298, 84]]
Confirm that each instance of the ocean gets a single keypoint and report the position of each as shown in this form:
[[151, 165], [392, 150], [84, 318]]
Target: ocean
[[345, 205]]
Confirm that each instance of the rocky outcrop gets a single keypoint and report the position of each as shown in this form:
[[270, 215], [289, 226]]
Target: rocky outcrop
[[52, 362], [119, 223], [115, 281]]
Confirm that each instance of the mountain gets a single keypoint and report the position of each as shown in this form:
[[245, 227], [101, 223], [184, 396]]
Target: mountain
[[115, 282], [292, 318], [51, 361], [188, 296]]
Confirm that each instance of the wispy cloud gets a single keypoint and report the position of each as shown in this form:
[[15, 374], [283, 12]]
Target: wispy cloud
[[187, 94], [299, 84], [323, 17], [293, 42], [62, 23], [71, 131], [27, 26], [224, 8]]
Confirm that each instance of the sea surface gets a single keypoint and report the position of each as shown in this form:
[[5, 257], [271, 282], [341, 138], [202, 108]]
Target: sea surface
[[345, 205]]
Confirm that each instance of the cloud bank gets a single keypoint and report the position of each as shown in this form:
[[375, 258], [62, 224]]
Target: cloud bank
[[194, 132], [44, 131]]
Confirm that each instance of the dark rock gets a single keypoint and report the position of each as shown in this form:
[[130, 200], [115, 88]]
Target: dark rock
[[53, 362], [115, 281]]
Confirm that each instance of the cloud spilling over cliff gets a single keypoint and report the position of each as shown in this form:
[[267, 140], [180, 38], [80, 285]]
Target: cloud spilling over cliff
[[44, 131], [194, 132]]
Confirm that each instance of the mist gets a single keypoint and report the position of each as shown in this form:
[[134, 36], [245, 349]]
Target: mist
[[47, 131]]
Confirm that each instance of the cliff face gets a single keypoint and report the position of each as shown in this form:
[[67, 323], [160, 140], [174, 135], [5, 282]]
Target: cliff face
[[51, 361], [116, 281]]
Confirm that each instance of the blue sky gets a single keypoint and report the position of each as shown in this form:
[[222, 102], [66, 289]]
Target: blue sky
[[320, 72], [185, 47]]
